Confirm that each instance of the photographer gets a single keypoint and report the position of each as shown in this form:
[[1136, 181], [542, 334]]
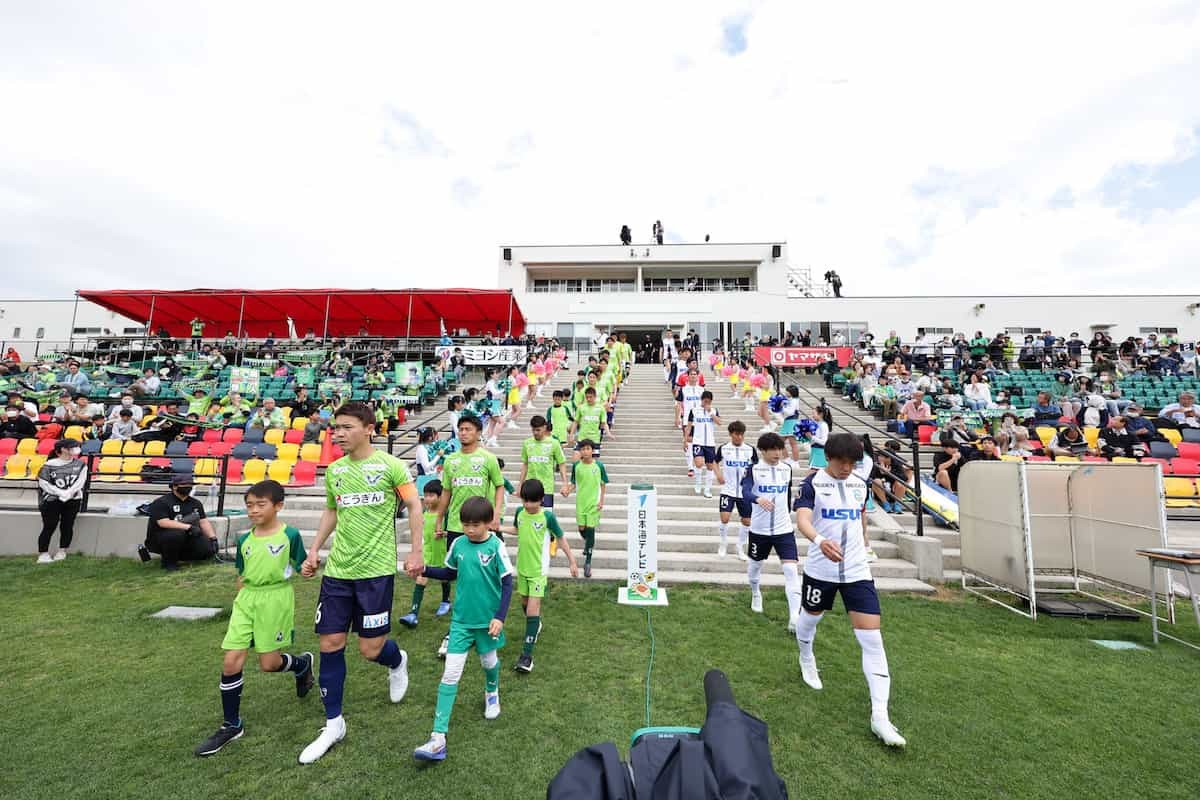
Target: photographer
[[177, 528]]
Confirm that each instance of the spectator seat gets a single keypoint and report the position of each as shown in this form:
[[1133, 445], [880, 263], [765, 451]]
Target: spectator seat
[[294, 436], [1188, 450], [74, 432], [45, 447], [298, 423], [1184, 491], [110, 469], [206, 469], [1171, 435], [1067, 458], [112, 447], [1185, 466], [155, 448], [310, 452], [132, 448], [233, 472], [131, 469], [8, 446], [211, 435], [28, 447], [253, 436], [198, 449], [304, 473], [254, 470], [233, 435], [1005, 457], [280, 470], [16, 467], [243, 451], [1091, 436], [1037, 458], [1191, 435], [1163, 450], [1124, 460], [1164, 463], [1045, 434], [273, 436], [90, 447], [176, 449], [265, 451]]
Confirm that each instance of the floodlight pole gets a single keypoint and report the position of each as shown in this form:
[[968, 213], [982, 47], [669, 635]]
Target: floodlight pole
[[71, 335], [408, 330], [508, 330], [241, 354], [148, 329]]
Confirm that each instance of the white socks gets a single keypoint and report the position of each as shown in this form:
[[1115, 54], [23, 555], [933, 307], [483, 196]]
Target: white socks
[[806, 631], [708, 478], [700, 477], [875, 667], [724, 533], [791, 583], [743, 536], [754, 573]]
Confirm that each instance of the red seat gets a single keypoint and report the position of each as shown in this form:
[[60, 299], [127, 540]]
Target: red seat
[[1188, 450], [1185, 466], [45, 417], [8, 447], [233, 435], [304, 473], [925, 433], [1065, 420], [1096, 459], [159, 462], [233, 474], [45, 447], [1166, 465], [294, 437], [198, 449], [212, 435], [218, 449], [1037, 458]]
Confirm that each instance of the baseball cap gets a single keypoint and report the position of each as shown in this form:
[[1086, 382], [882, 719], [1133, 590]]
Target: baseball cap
[[181, 479]]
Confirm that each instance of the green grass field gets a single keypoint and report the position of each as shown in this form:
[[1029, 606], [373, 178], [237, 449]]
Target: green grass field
[[103, 702]]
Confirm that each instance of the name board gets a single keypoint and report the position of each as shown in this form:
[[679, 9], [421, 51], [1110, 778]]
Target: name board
[[801, 356]]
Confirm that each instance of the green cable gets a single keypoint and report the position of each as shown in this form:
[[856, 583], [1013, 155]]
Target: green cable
[[650, 666]]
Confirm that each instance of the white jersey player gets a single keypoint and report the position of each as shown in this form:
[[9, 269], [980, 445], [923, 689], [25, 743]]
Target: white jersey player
[[829, 513], [701, 425], [735, 458], [768, 487]]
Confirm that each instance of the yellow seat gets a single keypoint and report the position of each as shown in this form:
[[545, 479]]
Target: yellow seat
[[273, 436], [1066, 458], [110, 469], [310, 452], [288, 452], [16, 468], [132, 448], [1184, 490], [27, 447], [1010, 457], [1045, 434], [206, 469], [298, 423], [280, 470], [1091, 435], [131, 469], [287, 413], [74, 432], [1124, 460], [146, 419], [111, 447], [254, 470], [155, 448], [1171, 435], [35, 465]]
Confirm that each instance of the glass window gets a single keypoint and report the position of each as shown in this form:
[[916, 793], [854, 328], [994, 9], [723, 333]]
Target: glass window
[[16, 333], [41, 333]]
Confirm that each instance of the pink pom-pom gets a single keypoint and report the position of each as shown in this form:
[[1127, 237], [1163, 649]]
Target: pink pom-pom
[[743, 373], [713, 359], [758, 381], [539, 368], [522, 380], [727, 371]]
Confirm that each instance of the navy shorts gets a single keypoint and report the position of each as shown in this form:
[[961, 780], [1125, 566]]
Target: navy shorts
[[362, 605], [548, 500], [761, 545], [859, 596], [708, 453], [728, 504]]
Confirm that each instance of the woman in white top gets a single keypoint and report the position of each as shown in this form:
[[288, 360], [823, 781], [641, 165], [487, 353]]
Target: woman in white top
[[426, 462], [60, 493], [976, 394]]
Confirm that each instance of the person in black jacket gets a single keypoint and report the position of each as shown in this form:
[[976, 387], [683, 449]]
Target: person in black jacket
[[177, 528], [16, 425]]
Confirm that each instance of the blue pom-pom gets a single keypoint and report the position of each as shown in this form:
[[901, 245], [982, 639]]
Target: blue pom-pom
[[776, 403]]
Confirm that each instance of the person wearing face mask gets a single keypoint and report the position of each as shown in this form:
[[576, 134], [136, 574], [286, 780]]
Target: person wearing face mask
[[178, 529], [126, 403], [60, 492], [16, 425]]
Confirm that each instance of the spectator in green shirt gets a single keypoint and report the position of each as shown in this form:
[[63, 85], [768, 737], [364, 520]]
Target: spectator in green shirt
[[268, 416]]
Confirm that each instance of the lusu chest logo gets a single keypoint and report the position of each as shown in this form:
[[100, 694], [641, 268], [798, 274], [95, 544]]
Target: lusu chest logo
[[372, 478], [276, 549], [485, 558]]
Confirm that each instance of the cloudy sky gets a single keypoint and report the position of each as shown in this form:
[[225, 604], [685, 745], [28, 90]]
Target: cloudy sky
[[916, 147]]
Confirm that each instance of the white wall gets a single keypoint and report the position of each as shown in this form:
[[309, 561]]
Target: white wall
[[54, 318]]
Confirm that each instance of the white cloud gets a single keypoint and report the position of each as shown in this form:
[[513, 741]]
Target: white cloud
[[154, 144]]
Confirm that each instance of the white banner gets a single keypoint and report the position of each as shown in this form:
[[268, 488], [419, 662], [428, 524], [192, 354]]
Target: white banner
[[641, 586], [496, 355], [244, 380]]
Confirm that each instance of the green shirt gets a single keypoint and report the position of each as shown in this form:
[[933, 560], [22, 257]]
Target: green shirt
[[587, 479], [430, 520], [481, 566], [269, 560], [541, 460], [534, 532], [465, 475], [364, 494], [590, 416], [560, 421]]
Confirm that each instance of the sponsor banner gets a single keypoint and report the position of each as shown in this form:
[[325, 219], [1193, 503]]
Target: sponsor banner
[[801, 356], [496, 355], [641, 584]]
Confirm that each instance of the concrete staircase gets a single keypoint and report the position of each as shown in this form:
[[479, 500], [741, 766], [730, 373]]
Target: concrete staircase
[[646, 448]]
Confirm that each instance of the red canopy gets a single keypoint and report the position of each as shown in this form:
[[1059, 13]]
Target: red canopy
[[330, 312]]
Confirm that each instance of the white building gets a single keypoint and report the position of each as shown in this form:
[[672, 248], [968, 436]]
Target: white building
[[35, 326], [728, 289]]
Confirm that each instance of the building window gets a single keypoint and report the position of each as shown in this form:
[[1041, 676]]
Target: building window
[[16, 333], [133, 331], [556, 285], [1160, 330], [1022, 331], [698, 284], [609, 285], [85, 331], [41, 333], [931, 331]]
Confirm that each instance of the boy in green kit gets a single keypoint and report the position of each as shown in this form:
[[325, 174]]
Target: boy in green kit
[[263, 611], [478, 562], [591, 422], [541, 457], [588, 478], [560, 417], [434, 551], [536, 530]]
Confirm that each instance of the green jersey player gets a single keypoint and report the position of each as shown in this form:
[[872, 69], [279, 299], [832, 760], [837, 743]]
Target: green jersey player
[[362, 490], [263, 611]]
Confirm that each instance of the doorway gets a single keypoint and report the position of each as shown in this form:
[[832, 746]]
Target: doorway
[[644, 340]]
